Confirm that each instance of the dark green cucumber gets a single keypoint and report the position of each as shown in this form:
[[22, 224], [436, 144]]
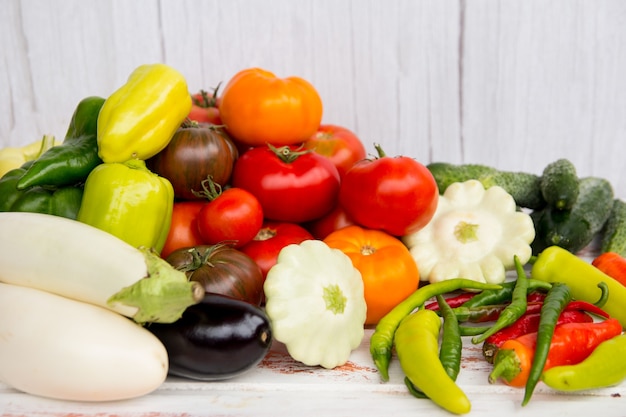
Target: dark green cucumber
[[446, 174], [559, 184], [574, 229], [523, 186], [614, 233]]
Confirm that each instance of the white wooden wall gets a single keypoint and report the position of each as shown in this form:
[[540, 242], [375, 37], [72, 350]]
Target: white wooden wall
[[513, 84]]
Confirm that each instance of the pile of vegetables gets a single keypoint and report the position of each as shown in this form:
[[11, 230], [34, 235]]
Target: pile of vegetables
[[183, 234]]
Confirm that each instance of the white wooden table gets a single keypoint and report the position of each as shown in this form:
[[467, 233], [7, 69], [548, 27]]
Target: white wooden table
[[280, 386]]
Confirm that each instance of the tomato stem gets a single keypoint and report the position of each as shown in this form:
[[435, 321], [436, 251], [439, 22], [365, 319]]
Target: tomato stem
[[210, 191], [286, 154], [379, 149]]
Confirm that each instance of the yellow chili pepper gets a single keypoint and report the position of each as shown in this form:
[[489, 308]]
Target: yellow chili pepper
[[139, 119], [12, 158], [417, 346]]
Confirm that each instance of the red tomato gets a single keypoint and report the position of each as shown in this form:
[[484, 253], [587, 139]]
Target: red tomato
[[338, 144], [258, 108], [184, 229], [233, 215], [335, 220], [205, 107], [272, 237], [394, 194], [291, 186]]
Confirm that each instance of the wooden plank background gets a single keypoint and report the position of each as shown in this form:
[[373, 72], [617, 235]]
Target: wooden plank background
[[509, 83]]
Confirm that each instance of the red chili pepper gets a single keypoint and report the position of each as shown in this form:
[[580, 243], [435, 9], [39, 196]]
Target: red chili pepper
[[571, 344], [453, 302], [588, 307], [612, 264], [535, 296], [528, 323]]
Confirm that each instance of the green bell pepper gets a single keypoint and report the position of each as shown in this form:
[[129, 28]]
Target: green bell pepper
[[70, 162], [130, 202], [63, 201]]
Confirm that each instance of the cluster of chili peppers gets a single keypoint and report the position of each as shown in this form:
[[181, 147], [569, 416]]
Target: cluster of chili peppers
[[531, 330]]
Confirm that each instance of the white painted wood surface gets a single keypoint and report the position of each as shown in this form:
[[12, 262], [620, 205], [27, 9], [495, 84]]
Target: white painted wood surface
[[506, 83], [281, 387]]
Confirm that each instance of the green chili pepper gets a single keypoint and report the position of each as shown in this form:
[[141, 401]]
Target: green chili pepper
[[504, 294], [472, 330], [604, 367], [417, 346], [381, 341], [71, 162], [514, 310], [130, 202], [480, 314], [556, 264], [64, 201], [451, 342], [555, 302]]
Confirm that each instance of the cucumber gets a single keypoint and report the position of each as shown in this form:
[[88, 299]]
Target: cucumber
[[523, 187], [614, 233], [446, 174], [559, 184], [574, 229]]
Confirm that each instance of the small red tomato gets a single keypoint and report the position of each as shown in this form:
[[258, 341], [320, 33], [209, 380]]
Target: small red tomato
[[184, 229], [292, 185], [205, 107], [233, 215], [335, 220], [338, 144], [394, 194], [268, 242]]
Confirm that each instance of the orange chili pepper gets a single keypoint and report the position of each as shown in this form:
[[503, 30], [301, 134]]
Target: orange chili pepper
[[612, 264]]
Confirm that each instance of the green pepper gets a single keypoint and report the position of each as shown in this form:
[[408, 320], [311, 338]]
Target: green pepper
[[139, 119], [417, 346], [515, 309], [555, 302], [63, 201], [70, 162], [556, 264], [130, 202]]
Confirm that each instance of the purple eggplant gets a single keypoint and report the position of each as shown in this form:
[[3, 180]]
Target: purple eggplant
[[218, 338]]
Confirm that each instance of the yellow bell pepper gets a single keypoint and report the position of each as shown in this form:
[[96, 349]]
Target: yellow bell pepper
[[139, 119], [130, 202], [15, 157]]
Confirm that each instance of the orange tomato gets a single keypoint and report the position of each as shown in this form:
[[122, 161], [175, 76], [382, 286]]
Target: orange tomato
[[389, 272], [259, 108]]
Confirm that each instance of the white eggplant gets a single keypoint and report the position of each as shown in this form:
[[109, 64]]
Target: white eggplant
[[79, 261], [55, 347]]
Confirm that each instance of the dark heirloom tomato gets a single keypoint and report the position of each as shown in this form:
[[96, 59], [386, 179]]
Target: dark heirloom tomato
[[216, 339], [221, 269], [195, 152]]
